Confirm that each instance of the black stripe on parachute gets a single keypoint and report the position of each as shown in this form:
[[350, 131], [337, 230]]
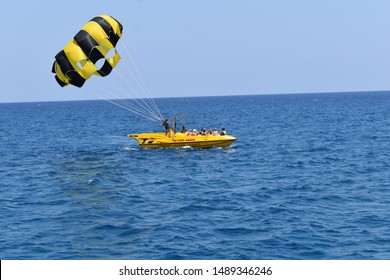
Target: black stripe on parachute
[[64, 62], [105, 70], [75, 78], [61, 83], [112, 37], [88, 44]]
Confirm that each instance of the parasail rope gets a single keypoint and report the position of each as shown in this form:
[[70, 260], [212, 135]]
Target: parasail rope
[[139, 80], [141, 101], [124, 104], [133, 97]]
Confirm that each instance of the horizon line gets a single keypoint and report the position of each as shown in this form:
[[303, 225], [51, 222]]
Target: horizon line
[[202, 96]]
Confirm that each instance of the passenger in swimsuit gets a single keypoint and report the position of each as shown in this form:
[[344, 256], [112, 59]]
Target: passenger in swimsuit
[[166, 125]]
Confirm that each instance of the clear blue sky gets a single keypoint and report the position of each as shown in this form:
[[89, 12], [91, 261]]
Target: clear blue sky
[[207, 47]]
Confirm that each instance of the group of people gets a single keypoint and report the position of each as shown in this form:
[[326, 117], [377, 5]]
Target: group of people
[[194, 132], [204, 132]]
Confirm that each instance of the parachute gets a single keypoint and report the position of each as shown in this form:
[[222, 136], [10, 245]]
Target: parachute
[[93, 45], [93, 52]]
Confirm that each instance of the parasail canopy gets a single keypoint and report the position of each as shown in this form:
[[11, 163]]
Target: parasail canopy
[[91, 52]]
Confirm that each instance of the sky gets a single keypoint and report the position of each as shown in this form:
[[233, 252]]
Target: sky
[[206, 47]]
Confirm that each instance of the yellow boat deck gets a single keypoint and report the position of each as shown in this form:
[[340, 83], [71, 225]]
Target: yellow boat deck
[[160, 140]]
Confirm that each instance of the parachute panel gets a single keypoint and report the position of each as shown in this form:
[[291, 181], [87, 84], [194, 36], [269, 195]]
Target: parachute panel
[[74, 55], [111, 27], [88, 45]]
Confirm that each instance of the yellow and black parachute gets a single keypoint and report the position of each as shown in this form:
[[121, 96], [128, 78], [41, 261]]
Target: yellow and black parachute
[[77, 62]]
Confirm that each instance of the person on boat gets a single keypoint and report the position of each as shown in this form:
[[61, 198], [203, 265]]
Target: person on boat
[[166, 125], [183, 129], [223, 132], [215, 132], [203, 131]]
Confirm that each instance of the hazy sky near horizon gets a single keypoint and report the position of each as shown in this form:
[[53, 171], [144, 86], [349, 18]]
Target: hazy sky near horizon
[[207, 47]]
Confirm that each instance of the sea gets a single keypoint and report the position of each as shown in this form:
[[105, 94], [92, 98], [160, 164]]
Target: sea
[[307, 179]]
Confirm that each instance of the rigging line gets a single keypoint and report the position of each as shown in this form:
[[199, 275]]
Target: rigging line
[[135, 78], [127, 83], [125, 105], [135, 105], [131, 108], [140, 113], [140, 105], [148, 108], [126, 102], [134, 112], [111, 95], [141, 79], [142, 99], [138, 78]]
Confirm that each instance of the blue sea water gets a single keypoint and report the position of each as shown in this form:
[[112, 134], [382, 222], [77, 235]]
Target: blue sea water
[[308, 178]]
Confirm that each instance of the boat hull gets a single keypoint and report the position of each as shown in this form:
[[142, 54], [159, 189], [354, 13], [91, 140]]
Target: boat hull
[[160, 140]]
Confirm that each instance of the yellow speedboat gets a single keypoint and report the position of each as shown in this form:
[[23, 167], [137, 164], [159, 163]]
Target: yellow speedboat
[[172, 140]]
